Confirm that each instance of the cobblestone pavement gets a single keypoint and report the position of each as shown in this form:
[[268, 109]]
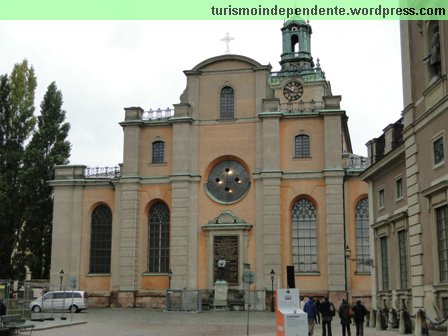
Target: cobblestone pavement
[[136, 322]]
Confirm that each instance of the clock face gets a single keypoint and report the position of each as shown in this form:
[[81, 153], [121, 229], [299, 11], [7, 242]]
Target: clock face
[[293, 90]]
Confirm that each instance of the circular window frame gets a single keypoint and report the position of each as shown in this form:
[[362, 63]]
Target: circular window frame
[[228, 182]]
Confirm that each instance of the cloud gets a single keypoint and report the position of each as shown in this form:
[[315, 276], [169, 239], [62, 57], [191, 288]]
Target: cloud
[[103, 66]]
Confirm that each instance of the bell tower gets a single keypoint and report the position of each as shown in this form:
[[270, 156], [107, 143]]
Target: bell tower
[[296, 54]]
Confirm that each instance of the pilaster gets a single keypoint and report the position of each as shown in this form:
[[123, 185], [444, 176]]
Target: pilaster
[[67, 223], [268, 230], [128, 254], [335, 229], [132, 143], [184, 206], [333, 138], [414, 221], [184, 232]]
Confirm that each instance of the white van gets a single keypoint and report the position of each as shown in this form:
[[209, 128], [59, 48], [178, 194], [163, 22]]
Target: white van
[[74, 301]]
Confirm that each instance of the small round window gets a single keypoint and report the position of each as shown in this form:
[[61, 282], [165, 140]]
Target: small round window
[[228, 182]]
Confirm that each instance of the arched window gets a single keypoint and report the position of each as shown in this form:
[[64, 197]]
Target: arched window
[[100, 239], [434, 57], [304, 236], [158, 238], [227, 108], [302, 146], [158, 152], [362, 236]]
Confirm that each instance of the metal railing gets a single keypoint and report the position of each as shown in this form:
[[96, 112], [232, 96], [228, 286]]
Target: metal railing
[[102, 172], [183, 300], [158, 114]]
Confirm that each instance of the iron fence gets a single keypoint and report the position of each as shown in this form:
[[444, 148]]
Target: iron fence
[[184, 300]]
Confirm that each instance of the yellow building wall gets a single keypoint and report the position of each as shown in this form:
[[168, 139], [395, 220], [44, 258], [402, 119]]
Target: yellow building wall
[[290, 128], [233, 141], [148, 136]]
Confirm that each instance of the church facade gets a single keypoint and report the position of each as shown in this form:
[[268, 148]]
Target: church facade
[[252, 166]]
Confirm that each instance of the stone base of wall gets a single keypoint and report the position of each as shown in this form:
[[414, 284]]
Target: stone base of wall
[[131, 299], [126, 299], [98, 300], [153, 299]]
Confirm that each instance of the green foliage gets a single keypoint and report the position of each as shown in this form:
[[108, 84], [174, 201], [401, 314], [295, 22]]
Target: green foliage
[[25, 167]]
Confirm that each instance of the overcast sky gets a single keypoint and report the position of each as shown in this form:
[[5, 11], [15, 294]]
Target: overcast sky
[[103, 66]]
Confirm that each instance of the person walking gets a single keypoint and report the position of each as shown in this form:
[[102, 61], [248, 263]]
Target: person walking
[[359, 312], [344, 314], [328, 311], [318, 310], [311, 310]]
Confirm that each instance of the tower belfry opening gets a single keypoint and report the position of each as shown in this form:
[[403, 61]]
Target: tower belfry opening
[[296, 46]]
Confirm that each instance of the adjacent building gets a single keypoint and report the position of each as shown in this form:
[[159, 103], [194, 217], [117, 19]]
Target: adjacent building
[[408, 182]]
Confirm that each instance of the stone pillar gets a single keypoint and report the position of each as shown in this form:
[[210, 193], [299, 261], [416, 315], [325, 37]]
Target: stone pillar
[[335, 229], [421, 329], [184, 214], [180, 213], [414, 223], [128, 255], [268, 235], [67, 223], [372, 323], [220, 297]]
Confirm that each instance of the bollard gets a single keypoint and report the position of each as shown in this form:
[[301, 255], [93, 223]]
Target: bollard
[[372, 318], [393, 318], [367, 319], [381, 322], [405, 323], [421, 329]]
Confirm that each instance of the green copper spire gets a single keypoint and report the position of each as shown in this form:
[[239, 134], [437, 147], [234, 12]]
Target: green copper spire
[[296, 46]]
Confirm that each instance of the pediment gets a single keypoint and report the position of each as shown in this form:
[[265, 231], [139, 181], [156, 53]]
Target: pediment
[[227, 220]]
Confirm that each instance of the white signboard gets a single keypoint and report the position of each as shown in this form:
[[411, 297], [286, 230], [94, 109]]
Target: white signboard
[[288, 299], [291, 320]]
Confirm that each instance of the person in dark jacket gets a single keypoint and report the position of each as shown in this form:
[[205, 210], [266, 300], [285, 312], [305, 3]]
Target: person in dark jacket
[[317, 301], [327, 310], [2, 307], [311, 310], [359, 312], [344, 314]]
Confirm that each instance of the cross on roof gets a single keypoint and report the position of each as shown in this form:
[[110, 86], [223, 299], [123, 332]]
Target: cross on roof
[[227, 40]]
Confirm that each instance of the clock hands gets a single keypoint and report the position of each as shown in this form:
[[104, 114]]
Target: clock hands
[[292, 90]]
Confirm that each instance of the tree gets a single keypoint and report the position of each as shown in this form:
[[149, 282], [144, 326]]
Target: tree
[[48, 147], [16, 124]]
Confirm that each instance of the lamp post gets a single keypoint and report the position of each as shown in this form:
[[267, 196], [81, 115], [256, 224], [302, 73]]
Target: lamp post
[[272, 290], [347, 253], [61, 277], [170, 274]]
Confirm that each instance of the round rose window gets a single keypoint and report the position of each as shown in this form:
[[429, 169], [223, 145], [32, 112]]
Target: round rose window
[[228, 182]]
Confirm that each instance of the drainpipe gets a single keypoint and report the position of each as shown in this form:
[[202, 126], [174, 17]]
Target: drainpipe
[[346, 247]]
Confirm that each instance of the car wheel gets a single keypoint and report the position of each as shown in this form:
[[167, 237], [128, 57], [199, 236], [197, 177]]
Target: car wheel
[[36, 309], [74, 309]]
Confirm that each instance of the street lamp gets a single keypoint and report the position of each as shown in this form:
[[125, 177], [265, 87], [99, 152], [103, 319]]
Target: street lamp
[[347, 252], [61, 277], [272, 290], [170, 274]]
